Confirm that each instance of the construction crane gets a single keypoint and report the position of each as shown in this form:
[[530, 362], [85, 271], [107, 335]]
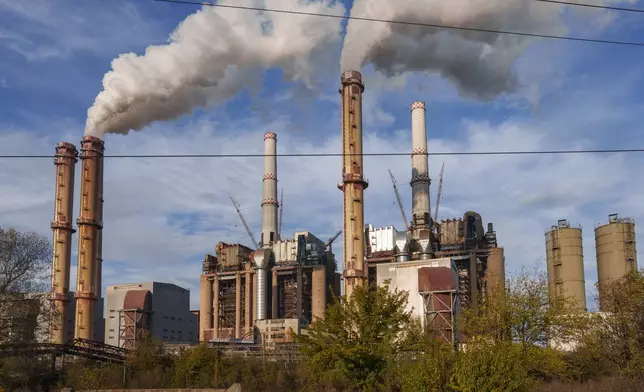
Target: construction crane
[[281, 207], [330, 241], [250, 234], [440, 189], [402, 210]]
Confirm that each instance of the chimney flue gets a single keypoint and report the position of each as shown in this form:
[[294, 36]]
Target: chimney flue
[[89, 226], [420, 180], [269, 198], [353, 182], [62, 227]]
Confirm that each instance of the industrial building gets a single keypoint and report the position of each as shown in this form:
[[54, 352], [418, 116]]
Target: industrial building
[[470, 260], [265, 294], [616, 251], [565, 264], [161, 310]]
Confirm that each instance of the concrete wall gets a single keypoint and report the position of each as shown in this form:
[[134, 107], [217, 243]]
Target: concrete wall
[[404, 276]]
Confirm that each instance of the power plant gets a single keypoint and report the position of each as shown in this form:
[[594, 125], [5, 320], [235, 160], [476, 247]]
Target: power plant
[[278, 287]]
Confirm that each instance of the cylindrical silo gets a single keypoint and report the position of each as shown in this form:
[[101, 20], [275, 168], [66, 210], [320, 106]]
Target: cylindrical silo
[[616, 250], [565, 260], [495, 275]]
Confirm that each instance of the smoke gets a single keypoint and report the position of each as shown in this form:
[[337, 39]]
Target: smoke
[[481, 65], [211, 56]]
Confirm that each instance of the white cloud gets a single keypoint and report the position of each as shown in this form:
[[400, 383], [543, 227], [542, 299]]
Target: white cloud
[[41, 29]]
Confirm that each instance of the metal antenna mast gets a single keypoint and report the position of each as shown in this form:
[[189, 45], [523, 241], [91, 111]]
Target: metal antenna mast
[[250, 234], [402, 210]]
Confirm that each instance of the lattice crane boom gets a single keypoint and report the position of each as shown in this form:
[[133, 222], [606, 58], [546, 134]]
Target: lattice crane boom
[[250, 234], [440, 190], [402, 210]]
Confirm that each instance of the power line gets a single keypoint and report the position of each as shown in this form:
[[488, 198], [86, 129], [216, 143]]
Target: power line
[[379, 154], [408, 23], [585, 5]]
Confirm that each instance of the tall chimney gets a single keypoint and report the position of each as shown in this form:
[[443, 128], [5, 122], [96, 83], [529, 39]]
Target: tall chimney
[[89, 226], [62, 227], [99, 253], [269, 198], [420, 171], [353, 183]]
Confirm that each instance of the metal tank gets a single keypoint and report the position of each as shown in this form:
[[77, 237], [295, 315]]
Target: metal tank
[[616, 250], [565, 262]]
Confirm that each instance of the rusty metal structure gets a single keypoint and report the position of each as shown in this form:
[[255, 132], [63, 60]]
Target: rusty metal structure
[[134, 318], [353, 181], [226, 309], [89, 230], [63, 228], [565, 263], [616, 251], [438, 286]]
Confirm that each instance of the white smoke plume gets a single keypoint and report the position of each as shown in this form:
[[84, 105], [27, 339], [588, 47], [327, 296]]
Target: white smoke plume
[[481, 65], [210, 57]]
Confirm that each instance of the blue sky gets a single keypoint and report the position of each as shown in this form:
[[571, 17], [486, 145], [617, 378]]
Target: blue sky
[[162, 216]]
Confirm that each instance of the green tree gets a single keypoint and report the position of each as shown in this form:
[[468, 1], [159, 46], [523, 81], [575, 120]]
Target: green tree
[[425, 363], [198, 367], [354, 343], [490, 367], [25, 259], [620, 329]]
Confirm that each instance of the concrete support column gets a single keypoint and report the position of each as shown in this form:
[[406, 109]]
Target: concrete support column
[[248, 287], [254, 298], [238, 290], [215, 308], [274, 314], [319, 293], [205, 308]]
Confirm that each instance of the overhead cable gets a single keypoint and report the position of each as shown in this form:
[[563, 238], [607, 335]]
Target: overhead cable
[[408, 23]]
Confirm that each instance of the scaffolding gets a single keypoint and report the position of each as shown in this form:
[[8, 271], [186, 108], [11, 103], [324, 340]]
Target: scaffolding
[[440, 314], [133, 325]]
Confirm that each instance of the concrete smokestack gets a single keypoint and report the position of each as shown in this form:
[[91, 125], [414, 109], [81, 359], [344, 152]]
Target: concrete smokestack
[[62, 227], [420, 170], [269, 198], [89, 226], [353, 183]]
